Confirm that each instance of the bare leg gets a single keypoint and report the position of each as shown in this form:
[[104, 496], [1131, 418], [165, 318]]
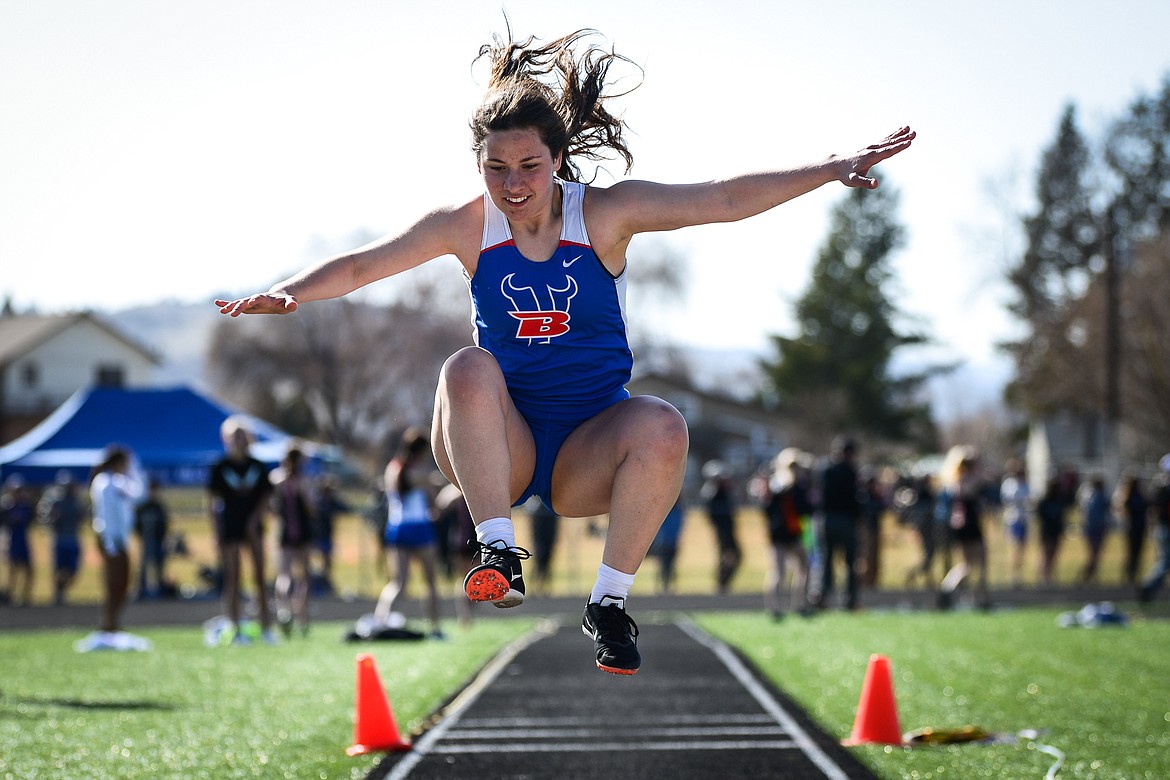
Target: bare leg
[[978, 553], [282, 588], [799, 577], [230, 557], [462, 603], [388, 598], [256, 546], [117, 582], [481, 442], [628, 461], [774, 581], [24, 574], [62, 580], [1048, 562], [429, 563], [300, 588]]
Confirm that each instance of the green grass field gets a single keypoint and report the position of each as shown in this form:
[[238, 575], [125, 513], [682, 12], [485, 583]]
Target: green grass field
[[1100, 695], [188, 711], [185, 710]]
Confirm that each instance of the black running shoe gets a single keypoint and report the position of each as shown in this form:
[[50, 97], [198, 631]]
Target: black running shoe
[[498, 578], [614, 635]]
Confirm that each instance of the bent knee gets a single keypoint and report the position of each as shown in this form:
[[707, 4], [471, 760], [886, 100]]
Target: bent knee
[[470, 368], [663, 428]]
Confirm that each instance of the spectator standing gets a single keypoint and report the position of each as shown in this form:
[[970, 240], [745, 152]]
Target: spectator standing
[[292, 500], [17, 512], [545, 525], [1096, 520], [152, 523], [115, 489], [840, 508], [1161, 508], [719, 497], [1050, 512], [664, 548], [967, 529], [788, 510], [919, 513], [374, 514], [410, 528], [1016, 499], [454, 522], [873, 508], [1131, 503], [239, 489], [64, 510], [329, 505]]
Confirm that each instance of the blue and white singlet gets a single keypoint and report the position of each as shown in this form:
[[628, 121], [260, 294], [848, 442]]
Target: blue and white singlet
[[408, 519], [557, 328]]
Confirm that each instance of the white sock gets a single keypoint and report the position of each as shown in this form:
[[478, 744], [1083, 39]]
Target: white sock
[[495, 531], [613, 583]]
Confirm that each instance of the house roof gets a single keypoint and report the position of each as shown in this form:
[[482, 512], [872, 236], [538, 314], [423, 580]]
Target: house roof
[[661, 383], [21, 334]]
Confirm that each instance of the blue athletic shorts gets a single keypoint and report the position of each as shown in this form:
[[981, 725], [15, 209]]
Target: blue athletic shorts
[[410, 535], [549, 432], [19, 552], [66, 554]]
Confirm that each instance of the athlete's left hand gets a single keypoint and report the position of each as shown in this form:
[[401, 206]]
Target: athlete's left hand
[[853, 171]]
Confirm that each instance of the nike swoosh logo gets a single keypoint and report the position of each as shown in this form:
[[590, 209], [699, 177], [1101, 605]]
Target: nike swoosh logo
[[568, 263], [517, 576]]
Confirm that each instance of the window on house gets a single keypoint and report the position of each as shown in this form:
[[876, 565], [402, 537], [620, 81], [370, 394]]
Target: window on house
[[110, 376], [32, 375]]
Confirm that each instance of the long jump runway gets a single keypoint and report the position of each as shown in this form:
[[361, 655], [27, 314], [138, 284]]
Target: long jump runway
[[695, 710]]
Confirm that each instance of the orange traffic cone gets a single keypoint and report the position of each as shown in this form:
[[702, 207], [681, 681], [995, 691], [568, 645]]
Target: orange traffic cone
[[877, 714], [373, 724]]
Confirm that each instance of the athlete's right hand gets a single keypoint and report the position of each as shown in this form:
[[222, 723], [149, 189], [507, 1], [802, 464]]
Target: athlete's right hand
[[261, 303]]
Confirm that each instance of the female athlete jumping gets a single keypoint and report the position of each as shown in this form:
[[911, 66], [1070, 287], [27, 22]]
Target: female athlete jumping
[[538, 406]]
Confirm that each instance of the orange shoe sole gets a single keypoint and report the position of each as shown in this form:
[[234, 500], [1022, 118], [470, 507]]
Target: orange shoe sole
[[615, 670], [486, 585]]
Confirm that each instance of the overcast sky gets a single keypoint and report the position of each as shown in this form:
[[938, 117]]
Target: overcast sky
[[173, 151]]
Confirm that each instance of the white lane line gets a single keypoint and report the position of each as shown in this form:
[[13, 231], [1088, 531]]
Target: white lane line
[[613, 747], [634, 732], [467, 697], [600, 721], [766, 700]]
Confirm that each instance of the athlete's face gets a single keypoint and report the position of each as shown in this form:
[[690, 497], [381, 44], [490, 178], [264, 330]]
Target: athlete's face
[[518, 170]]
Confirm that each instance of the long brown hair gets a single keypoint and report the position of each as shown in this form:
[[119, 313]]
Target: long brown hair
[[569, 113], [413, 446], [115, 458]]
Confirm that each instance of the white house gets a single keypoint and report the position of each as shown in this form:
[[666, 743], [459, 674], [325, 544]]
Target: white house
[[44, 359]]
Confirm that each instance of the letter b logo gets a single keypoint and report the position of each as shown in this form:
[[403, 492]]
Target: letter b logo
[[541, 324]]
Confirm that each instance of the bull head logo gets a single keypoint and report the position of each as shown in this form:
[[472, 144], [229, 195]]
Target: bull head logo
[[540, 319]]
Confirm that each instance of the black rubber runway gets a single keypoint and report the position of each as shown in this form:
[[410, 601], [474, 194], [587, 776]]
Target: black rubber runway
[[695, 710]]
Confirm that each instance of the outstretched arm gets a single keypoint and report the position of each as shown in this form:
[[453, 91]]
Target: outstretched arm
[[434, 235], [645, 206]]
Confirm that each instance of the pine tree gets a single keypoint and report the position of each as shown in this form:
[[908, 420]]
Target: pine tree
[[1063, 237], [1137, 151], [835, 374], [1063, 234]]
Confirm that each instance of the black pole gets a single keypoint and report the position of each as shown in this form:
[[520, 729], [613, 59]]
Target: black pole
[[1112, 400]]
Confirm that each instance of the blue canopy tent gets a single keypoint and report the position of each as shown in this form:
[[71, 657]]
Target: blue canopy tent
[[173, 432]]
